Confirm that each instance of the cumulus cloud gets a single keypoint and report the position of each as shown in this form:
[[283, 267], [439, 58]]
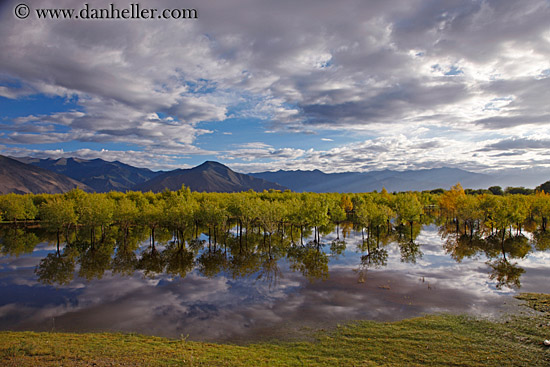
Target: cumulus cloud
[[424, 69]]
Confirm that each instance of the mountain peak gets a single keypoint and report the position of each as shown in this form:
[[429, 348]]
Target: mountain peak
[[210, 176], [212, 165], [208, 164], [101, 175], [21, 178]]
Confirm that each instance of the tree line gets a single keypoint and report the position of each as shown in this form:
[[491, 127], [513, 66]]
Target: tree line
[[272, 211], [248, 232]]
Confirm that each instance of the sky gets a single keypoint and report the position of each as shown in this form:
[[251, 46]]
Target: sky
[[262, 85]]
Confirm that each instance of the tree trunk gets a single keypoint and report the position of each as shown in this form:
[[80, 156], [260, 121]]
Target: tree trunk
[[58, 243]]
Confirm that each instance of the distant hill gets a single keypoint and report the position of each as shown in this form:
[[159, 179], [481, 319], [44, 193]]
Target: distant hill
[[427, 179], [98, 174], [21, 178], [208, 177], [102, 176]]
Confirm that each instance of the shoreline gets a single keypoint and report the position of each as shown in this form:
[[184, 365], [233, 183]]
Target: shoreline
[[516, 340]]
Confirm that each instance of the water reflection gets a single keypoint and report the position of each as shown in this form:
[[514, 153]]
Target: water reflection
[[499, 247], [242, 284]]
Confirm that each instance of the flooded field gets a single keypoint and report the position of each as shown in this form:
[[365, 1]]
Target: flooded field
[[256, 287]]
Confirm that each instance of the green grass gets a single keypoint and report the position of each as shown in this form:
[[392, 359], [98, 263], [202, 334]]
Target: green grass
[[537, 301], [442, 340]]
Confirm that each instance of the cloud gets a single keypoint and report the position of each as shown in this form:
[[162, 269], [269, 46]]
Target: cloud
[[518, 143], [377, 68], [261, 151], [156, 159]]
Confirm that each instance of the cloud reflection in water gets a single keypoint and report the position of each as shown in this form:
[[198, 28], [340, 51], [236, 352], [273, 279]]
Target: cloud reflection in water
[[223, 308]]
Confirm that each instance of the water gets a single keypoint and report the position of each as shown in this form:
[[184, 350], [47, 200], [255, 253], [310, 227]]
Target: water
[[211, 296]]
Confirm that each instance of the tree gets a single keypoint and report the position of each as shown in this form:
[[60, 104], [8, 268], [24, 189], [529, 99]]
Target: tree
[[545, 187], [448, 200], [17, 207], [151, 213], [125, 212], [496, 190], [346, 203], [518, 190], [270, 214], [517, 210], [179, 213], [58, 214], [541, 207], [408, 209], [95, 210], [468, 210], [338, 212], [315, 212]]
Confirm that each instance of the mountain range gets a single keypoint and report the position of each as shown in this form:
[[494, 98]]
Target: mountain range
[[100, 175], [21, 178], [209, 177], [24, 175], [317, 181]]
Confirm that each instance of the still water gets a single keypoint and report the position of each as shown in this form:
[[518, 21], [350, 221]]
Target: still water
[[212, 295]]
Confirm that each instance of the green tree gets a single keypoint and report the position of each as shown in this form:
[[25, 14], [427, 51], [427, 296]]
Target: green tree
[[518, 190], [17, 207], [95, 210], [408, 209], [337, 211], [269, 214], [179, 213], [57, 215], [496, 190], [540, 207], [151, 213]]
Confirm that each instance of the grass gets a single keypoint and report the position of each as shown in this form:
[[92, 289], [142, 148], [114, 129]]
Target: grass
[[537, 301], [441, 340]]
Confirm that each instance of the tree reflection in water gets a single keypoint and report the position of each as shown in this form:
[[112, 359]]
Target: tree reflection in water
[[499, 247], [373, 256], [253, 252]]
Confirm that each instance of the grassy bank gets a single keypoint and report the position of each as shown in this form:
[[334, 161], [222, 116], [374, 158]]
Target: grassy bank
[[442, 340]]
